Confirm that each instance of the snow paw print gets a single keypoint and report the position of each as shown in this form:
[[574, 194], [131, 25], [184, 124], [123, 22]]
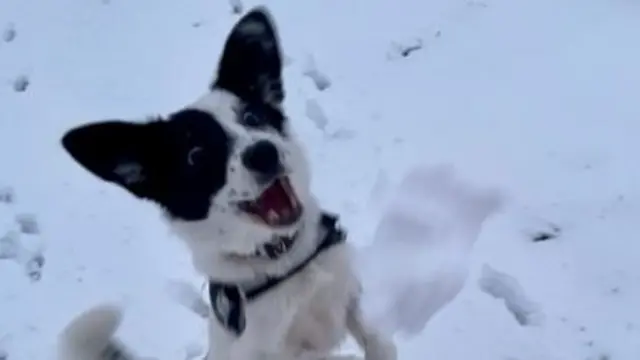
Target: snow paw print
[[403, 49], [9, 33], [505, 287], [320, 79], [21, 83], [317, 115], [19, 237], [6, 195], [236, 6]]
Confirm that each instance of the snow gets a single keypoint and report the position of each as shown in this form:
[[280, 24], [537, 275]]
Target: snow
[[535, 98], [320, 80], [503, 286], [424, 239]]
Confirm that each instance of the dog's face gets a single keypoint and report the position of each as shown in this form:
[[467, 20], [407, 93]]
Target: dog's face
[[226, 169]]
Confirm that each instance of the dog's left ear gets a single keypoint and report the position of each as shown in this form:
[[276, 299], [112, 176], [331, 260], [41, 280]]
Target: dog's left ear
[[121, 152], [251, 62]]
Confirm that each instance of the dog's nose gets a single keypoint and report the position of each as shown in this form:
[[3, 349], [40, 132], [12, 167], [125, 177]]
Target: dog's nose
[[262, 158]]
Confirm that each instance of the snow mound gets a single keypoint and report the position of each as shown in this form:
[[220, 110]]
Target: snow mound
[[419, 258]]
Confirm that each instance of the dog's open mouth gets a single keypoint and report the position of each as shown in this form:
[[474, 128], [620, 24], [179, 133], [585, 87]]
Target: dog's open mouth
[[278, 205]]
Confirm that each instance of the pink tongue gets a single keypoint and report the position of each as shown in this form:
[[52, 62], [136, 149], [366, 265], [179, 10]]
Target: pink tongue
[[274, 197]]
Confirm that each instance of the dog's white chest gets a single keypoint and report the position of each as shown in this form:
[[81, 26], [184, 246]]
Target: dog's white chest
[[319, 326]]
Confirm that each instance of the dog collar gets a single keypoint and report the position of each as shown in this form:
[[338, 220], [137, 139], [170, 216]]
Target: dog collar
[[228, 300]]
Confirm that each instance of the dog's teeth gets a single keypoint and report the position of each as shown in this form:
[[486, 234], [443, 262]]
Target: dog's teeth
[[272, 216], [291, 195], [288, 190], [294, 201], [283, 245]]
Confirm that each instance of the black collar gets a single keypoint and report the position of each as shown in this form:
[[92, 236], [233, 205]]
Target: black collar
[[227, 299]]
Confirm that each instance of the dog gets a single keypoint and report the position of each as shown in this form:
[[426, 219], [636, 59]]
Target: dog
[[233, 183]]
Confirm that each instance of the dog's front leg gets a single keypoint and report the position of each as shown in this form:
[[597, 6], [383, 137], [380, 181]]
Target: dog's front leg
[[269, 319], [266, 326], [375, 344]]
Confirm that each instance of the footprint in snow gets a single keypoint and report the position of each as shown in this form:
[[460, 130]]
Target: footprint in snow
[[20, 237], [402, 49], [538, 229], [507, 288], [7, 195], [21, 83], [319, 78], [236, 6], [316, 114], [12, 248], [9, 34], [28, 224], [341, 134]]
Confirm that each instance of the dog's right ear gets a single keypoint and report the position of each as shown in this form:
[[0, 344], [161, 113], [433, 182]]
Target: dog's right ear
[[120, 152], [251, 62]]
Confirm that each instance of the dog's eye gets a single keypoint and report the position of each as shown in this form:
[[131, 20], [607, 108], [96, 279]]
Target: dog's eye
[[253, 119], [195, 155], [261, 117]]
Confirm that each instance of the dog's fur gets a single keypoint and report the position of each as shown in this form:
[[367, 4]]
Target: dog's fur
[[191, 164]]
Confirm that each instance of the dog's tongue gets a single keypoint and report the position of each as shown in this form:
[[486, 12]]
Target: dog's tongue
[[275, 198]]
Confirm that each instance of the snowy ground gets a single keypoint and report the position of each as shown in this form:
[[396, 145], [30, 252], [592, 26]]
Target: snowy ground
[[536, 97]]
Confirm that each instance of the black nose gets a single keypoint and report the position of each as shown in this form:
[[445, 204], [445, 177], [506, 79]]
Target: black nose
[[262, 158]]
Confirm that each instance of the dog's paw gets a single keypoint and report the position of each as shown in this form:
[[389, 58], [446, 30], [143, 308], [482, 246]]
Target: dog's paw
[[90, 336]]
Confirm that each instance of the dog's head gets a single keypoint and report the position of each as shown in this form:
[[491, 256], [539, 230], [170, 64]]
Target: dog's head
[[226, 170]]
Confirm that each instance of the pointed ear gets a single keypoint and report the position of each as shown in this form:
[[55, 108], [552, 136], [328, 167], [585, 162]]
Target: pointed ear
[[251, 63], [118, 152]]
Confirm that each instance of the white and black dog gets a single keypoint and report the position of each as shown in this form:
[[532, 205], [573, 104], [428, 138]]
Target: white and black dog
[[234, 185]]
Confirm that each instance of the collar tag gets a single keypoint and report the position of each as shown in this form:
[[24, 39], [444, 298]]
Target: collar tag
[[228, 304]]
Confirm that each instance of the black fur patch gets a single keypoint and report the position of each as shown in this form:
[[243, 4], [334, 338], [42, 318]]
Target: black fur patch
[[179, 163], [262, 116], [251, 63]]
